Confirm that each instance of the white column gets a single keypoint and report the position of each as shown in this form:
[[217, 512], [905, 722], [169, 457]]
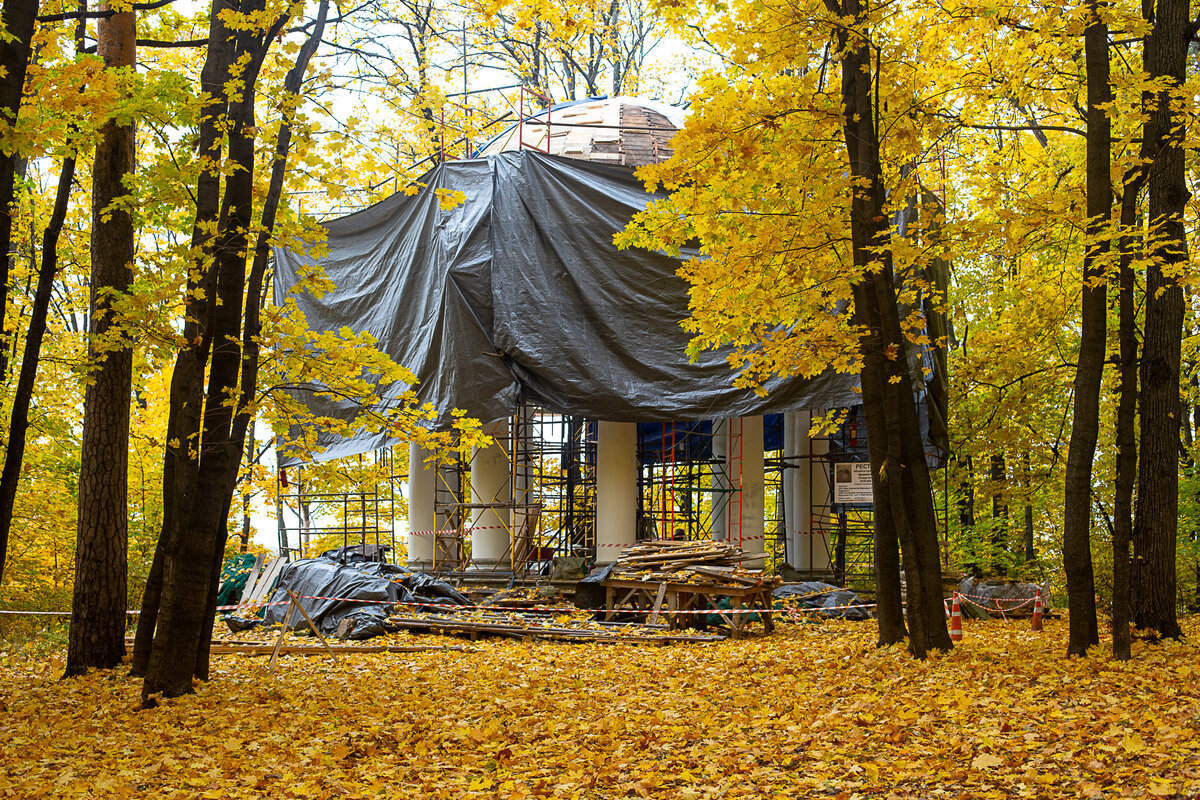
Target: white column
[[747, 460], [794, 468], [490, 484], [616, 488], [819, 498], [720, 481], [422, 487]]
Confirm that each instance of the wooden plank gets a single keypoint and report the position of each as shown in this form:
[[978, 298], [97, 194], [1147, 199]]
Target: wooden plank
[[713, 572], [287, 618], [252, 578], [658, 601], [267, 580], [313, 650], [698, 588], [311, 625]]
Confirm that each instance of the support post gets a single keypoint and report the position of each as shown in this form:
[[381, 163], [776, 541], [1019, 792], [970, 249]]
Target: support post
[[721, 486], [819, 517], [616, 489], [749, 472], [422, 487], [793, 480], [490, 550]]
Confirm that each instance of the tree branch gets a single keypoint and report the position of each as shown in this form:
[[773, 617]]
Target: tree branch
[[101, 14], [159, 43]]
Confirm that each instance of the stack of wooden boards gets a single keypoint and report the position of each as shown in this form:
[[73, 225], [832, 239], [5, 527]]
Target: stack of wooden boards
[[699, 563]]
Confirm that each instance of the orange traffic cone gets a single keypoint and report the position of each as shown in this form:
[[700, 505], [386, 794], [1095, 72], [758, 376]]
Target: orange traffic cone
[[955, 620], [1035, 624]]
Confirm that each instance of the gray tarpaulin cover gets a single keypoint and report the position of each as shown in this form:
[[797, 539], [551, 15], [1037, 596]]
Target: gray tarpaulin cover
[[519, 292], [330, 590]]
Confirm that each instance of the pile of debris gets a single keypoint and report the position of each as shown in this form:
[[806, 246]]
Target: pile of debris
[[349, 597], [700, 563], [522, 596], [806, 599]]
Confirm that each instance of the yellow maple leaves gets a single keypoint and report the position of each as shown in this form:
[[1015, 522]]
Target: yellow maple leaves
[[814, 711]]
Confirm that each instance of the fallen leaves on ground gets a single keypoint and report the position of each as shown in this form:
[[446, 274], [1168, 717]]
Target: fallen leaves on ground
[[813, 711]]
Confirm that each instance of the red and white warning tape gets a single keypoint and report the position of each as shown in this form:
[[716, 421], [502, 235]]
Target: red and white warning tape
[[1020, 602], [795, 613], [484, 607], [465, 531]]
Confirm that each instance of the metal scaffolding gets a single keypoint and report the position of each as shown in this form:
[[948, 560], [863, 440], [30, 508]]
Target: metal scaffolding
[[687, 488], [358, 504]]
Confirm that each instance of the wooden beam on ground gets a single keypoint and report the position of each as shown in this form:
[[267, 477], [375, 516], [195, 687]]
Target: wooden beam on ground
[[315, 650]]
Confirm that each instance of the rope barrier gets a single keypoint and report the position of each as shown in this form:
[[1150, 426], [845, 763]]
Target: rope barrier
[[466, 534], [485, 607], [551, 609], [998, 600], [792, 612]]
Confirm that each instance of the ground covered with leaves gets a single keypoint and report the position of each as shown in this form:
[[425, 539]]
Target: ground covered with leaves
[[813, 711]]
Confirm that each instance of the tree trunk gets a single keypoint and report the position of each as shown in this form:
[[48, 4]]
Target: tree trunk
[[1126, 421], [1085, 421], [1153, 589], [202, 489], [187, 379], [1126, 431], [14, 454], [1030, 551], [900, 477], [19, 18], [193, 550], [97, 634], [889, 600], [999, 538], [244, 543]]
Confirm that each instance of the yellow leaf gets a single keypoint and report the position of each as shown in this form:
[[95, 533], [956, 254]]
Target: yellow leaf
[[986, 761]]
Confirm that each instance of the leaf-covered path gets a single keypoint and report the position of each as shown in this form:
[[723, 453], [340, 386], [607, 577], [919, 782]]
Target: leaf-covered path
[[815, 711]]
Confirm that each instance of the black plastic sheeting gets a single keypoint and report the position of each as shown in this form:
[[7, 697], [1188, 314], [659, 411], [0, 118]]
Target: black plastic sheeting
[[590, 592], [363, 591], [520, 293], [824, 598]]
